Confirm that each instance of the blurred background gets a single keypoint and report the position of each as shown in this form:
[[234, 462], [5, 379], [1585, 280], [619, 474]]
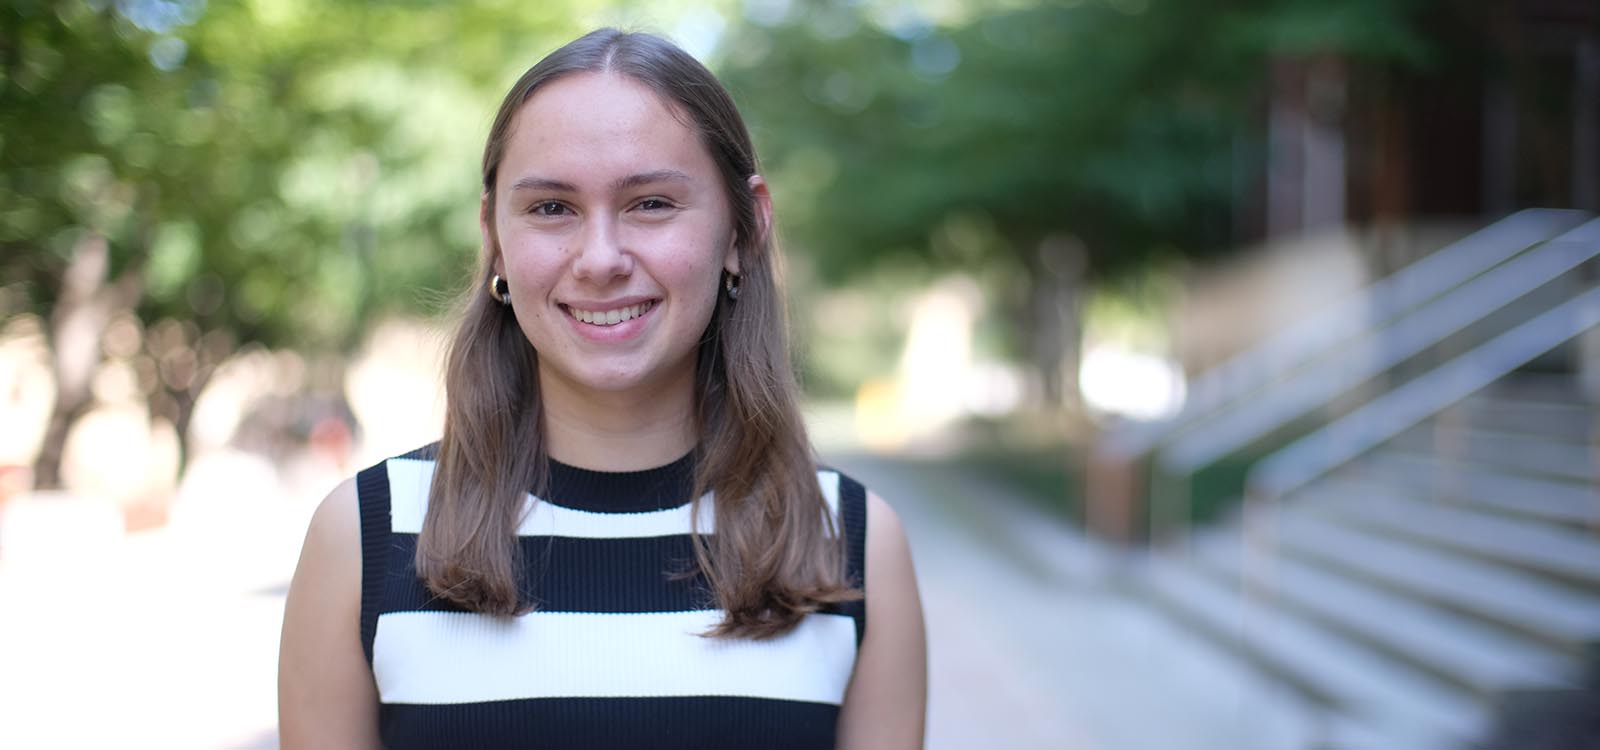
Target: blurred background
[[1233, 365]]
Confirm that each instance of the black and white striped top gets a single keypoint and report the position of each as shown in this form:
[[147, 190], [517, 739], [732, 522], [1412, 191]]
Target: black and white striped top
[[612, 656]]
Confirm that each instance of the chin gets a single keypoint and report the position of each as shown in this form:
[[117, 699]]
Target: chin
[[622, 380], [619, 383]]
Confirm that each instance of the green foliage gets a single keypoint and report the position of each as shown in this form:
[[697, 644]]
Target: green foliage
[[284, 170], [1127, 124], [278, 169]]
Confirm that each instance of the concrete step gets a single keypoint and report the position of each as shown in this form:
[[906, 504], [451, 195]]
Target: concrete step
[[1545, 388], [1570, 556], [1485, 660], [1510, 452], [1380, 698], [1557, 615], [1571, 421], [1559, 502]]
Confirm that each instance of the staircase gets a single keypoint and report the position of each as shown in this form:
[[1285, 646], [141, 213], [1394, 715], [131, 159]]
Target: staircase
[[1441, 591]]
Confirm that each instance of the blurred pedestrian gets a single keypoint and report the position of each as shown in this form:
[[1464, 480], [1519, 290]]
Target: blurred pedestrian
[[622, 538]]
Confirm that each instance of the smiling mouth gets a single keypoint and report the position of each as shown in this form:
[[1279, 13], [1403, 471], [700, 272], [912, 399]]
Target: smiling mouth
[[609, 317]]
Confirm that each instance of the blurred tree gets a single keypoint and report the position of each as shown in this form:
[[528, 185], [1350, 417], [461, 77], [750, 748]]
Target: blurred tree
[[277, 171], [270, 171], [1066, 143]]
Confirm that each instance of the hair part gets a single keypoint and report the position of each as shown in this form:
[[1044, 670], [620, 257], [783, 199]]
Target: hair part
[[777, 553]]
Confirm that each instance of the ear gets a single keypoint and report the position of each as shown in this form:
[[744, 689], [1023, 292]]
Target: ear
[[491, 242], [763, 199]]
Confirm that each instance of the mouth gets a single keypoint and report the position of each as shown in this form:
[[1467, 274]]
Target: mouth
[[610, 317]]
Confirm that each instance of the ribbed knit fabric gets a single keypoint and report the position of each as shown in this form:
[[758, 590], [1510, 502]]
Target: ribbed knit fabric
[[612, 656]]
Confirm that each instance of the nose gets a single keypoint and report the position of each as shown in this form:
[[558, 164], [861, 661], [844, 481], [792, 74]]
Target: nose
[[601, 256]]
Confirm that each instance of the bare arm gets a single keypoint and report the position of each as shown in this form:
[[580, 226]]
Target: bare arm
[[326, 697], [886, 703]]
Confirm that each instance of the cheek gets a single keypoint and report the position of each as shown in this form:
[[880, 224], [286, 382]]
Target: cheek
[[696, 273], [530, 264], [697, 254]]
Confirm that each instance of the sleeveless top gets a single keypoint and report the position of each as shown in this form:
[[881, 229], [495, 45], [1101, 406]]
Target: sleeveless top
[[612, 655]]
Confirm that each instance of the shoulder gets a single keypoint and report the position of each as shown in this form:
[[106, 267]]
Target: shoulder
[[336, 523], [883, 523], [888, 552], [862, 511], [878, 549], [869, 523], [355, 509], [326, 696], [885, 705], [329, 571]]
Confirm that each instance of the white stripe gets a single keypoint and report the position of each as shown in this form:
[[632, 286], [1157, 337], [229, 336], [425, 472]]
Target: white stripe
[[408, 502], [409, 480], [830, 481], [456, 657]]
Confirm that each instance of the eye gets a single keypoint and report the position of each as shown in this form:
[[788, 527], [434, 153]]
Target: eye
[[654, 204], [549, 208]]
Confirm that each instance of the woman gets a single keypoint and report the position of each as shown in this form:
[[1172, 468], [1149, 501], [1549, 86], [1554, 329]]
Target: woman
[[622, 539]]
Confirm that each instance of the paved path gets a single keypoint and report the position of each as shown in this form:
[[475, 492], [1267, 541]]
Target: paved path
[[168, 639], [158, 639]]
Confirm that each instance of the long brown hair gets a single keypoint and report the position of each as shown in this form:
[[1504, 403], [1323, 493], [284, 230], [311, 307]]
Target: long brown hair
[[776, 554]]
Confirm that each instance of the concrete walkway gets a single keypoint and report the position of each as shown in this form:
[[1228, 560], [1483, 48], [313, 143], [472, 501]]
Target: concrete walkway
[[165, 638]]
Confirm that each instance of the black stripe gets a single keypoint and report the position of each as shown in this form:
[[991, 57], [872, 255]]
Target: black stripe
[[372, 491], [617, 575], [622, 491], [571, 574], [853, 514], [614, 574], [659, 488], [699, 722]]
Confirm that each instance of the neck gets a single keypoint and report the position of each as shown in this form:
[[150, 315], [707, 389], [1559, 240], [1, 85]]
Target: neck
[[617, 431]]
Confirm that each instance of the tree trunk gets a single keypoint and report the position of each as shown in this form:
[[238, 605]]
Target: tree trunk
[[85, 306], [186, 366], [47, 467], [1055, 321]]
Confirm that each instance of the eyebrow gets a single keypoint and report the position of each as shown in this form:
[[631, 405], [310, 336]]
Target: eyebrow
[[541, 183], [631, 181]]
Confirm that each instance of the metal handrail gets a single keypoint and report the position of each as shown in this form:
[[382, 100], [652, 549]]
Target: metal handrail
[[1374, 305], [1233, 431], [1341, 441]]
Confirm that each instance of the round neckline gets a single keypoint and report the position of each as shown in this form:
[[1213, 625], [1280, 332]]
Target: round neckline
[[659, 488]]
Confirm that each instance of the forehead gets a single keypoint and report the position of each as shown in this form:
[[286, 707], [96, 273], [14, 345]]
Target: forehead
[[591, 127]]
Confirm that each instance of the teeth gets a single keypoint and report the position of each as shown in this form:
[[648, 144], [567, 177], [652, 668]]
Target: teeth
[[610, 317]]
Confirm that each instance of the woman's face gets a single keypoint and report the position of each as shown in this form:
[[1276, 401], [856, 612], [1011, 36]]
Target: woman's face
[[613, 231]]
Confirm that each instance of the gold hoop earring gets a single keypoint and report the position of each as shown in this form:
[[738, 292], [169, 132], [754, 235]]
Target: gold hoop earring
[[500, 290]]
